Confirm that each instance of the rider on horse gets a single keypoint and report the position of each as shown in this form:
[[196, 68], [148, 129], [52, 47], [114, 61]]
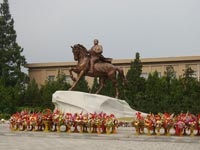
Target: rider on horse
[[102, 69], [96, 55]]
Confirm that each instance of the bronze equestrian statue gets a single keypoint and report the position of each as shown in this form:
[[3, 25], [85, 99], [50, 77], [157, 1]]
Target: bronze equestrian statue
[[101, 68]]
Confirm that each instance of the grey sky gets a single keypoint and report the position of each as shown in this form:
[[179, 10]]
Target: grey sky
[[156, 28]]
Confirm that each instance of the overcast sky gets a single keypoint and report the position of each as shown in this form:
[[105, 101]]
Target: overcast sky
[[155, 28]]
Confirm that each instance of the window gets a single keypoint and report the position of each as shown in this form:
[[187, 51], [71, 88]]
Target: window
[[68, 79], [144, 75], [194, 75], [159, 74], [51, 78], [174, 74]]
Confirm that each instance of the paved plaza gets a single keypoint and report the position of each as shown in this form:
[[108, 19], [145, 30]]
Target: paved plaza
[[125, 139]]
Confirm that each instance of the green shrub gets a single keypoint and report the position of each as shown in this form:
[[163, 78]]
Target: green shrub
[[31, 109], [5, 116]]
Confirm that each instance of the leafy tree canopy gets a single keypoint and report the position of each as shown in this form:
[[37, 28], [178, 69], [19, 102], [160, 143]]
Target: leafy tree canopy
[[11, 58]]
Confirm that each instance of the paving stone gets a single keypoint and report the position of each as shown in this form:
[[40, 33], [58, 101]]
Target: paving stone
[[125, 139]]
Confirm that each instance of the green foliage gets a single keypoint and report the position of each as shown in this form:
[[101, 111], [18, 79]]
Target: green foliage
[[5, 116], [7, 104], [12, 79], [32, 94], [168, 94], [156, 94], [30, 109], [95, 85], [108, 89], [82, 85], [134, 90], [34, 98], [11, 59], [161, 94], [135, 69], [122, 89], [49, 88], [190, 91], [169, 74]]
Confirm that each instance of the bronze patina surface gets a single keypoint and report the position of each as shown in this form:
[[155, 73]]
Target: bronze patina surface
[[101, 67]]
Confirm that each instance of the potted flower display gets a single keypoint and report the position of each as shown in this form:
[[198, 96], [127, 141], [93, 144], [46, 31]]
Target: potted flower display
[[47, 119]]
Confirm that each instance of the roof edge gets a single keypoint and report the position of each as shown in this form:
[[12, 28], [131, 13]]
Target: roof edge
[[118, 61]]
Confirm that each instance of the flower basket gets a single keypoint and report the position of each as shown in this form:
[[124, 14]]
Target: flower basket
[[47, 119], [109, 124], [69, 124], [114, 128], [58, 120]]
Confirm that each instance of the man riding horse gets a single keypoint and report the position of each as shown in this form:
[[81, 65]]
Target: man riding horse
[[96, 55], [101, 67]]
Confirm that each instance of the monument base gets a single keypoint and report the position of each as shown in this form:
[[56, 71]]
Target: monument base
[[77, 102]]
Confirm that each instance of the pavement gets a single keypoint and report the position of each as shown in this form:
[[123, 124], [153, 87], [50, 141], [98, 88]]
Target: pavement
[[125, 139]]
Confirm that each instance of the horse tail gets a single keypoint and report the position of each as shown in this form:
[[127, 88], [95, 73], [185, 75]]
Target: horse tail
[[121, 75]]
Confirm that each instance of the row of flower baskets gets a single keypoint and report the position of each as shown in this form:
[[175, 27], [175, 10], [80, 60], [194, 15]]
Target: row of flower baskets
[[170, 124], [68, 122]]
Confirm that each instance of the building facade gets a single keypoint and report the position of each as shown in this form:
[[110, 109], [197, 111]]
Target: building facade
[[48, 71]]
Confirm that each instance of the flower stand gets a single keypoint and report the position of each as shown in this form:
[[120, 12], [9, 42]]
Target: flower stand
[[58, 127], [46, 125], [85, 128], [137, 129], [75, 128], [81, 128], [158, 131], [167, 131], [108, 129], [68, 128], [114, 129], [99, 129], [90, 129], [192, 131]]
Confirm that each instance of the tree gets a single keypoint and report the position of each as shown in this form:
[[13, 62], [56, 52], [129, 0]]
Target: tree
[[108, 89], [32, 95], [135, 87], [170, 73], [50, 87], [190, 88], [95, 85], [7, 104], [82, 86], [188, 76], [11, 59], [155, 94]]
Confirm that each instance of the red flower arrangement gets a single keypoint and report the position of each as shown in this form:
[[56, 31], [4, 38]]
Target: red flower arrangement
[[179, 123], [182, 124], [138, 123], [47, 115], [52, 121]]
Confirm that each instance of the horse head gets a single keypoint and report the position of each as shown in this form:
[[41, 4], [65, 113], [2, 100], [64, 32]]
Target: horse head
[[75, 52], [79, 51]]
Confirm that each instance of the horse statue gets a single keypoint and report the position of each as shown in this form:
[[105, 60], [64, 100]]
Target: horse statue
[[103, 70]]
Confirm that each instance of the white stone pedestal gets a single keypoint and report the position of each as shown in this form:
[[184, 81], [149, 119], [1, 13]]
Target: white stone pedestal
[[77, 102]]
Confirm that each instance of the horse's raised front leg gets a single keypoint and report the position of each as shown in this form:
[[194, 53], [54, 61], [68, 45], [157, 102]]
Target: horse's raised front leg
[[71, 74], [78, 78]]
